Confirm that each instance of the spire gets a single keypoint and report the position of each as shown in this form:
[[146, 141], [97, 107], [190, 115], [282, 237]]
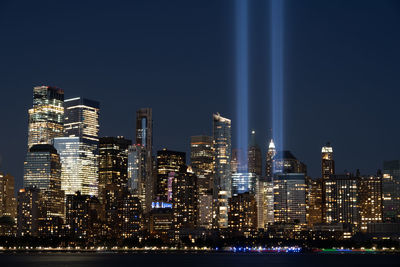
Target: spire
[[271, 145]]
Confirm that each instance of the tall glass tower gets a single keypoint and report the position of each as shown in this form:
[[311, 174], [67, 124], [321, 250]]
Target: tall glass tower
[[328, 164], [79, 149], [46, 117], [222, 165]]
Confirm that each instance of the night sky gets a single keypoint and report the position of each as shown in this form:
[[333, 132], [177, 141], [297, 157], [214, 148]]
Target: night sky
[[341, 74]]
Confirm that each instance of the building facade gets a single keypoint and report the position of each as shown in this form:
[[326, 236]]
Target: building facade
[[391, 191], [8, 203]]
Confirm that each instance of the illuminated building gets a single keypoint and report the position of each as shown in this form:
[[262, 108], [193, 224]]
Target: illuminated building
[[370, 200], [42, 169], [268, 202], [82, 215], [8, 203], [161, 222], [79, 165], [243, 213], [341, 200], [201, 158], [46, 117], [131, 216], [260, 199], [184, 199], [113, 164], [328, 164], [243, 182], [205, 211], [269, 163], [28, 212], [391, 191], [289, 198], [234, 160], [286, 162], [254, 156], [167, 161], [314, 202], [137, 183], [222, 172], [144, 137]]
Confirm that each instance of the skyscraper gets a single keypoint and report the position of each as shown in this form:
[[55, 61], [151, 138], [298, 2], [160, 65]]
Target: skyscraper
[[46, 117], [290, 198], [254, 156], [286, 162], [137, 183], [243, 213], [222, 173], [168, 161], [370, 200], [269, 162], [8, 203], [391, 191], [28, 211], [42, 169], [144, 137], [328, 164], [244, 182]]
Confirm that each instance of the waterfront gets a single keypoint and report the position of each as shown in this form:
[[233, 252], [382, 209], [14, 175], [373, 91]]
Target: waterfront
[[195, 259]]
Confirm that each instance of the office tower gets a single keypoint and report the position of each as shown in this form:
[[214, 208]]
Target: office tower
[[254, 156], [269, 162], [144, 137], [8, 203], [205, 212], [42, 169], [222, 172], [184, 199], [201, 158], [168, 161], [243, 213], [235, 160], [314, 201], [82, 216], [328, 164], [137, 177], [79, 165], [286, 162], [341, 200], [131, 216], [370, 200], [391, 191], [161, 222], [82, 118], [28, 211], [260, 200], [46, 117], [243, 182], [290, 198], [113, 164], [268, 202]]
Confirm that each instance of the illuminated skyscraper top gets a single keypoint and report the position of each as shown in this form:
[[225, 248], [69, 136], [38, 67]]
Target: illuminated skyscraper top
[[82, 118], [328, 164], [269, 160], [46, 117], [144, 128]]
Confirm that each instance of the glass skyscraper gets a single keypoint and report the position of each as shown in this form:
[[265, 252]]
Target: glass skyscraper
[[391, 191], [137, 183], [46, 117]]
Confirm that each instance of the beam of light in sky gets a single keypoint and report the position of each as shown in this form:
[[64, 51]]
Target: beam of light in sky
[[277, 85], [242, 82]]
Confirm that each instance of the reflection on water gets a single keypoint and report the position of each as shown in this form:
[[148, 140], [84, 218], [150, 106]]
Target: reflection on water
[[193, 260]]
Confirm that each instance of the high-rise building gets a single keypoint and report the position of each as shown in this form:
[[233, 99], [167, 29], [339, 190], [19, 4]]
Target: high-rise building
[[391, 191], [168, 161], [79, 165], [201, 158], [131, 216], [254, 156], [28, 211], [314, 201], [269, 162], [328, 164], [184, 199], [137, 183], [144, 137], [290, 198], [235, 160], [113, 163], [370, 200], [243, 182], [243, 213], [222, 172], [8, 203], [42, 169], [46, 117], [205, 211], [341, 200], [286, 162]]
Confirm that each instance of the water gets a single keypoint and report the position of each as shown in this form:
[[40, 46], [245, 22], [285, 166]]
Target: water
[[193, 260]]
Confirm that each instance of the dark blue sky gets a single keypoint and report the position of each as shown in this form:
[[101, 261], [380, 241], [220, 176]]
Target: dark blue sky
[[342, 71]]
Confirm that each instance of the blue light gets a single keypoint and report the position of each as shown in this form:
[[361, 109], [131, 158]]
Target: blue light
[[277, 84], [242, 83]]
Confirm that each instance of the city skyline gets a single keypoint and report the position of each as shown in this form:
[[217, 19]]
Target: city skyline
[[348, 76]]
